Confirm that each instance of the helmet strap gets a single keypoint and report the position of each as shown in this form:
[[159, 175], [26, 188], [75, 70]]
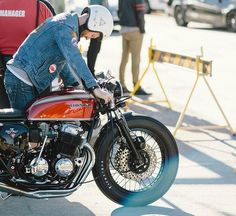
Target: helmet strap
[[82, 28]]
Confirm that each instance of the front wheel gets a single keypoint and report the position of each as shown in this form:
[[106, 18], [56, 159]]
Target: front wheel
[[179, 15], [116, 171], [231, 21]]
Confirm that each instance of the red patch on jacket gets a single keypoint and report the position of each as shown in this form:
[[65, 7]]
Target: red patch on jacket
[[52, 68]]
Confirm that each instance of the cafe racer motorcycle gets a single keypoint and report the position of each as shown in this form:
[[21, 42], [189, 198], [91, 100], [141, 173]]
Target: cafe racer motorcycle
[[45, 152]]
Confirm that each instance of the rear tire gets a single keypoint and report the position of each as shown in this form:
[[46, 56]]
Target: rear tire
[[179, 16], [231, 21], [113, 168]]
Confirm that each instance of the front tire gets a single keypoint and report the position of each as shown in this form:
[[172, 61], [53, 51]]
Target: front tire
[[113, 170], [179, 15], [231, 21]]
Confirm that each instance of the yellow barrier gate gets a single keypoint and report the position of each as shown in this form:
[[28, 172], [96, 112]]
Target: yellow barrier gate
[[203, 69], [151, 61]]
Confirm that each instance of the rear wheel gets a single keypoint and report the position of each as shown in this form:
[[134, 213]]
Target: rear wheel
[[231, 21], [179, 15], [125, 181]]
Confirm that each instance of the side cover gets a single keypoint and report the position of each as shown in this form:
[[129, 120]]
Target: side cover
[[10, 131]]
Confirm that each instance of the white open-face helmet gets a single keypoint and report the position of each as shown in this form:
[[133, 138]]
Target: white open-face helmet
[[100, 20]]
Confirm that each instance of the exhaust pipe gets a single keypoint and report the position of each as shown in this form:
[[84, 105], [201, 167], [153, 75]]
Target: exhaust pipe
[[39, 194], [42, 194]]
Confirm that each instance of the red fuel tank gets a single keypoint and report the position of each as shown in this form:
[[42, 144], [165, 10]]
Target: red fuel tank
[[63, 106]]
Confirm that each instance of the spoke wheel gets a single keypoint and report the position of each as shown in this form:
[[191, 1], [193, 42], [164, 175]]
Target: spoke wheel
[[130, 175], [126, 180]]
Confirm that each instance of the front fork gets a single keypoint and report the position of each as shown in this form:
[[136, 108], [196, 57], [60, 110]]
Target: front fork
[[124, 129]]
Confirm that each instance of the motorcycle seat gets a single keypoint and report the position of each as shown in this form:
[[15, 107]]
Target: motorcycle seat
[[11, 114]]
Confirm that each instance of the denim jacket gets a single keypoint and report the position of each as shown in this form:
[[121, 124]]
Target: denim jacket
[[47, 50]]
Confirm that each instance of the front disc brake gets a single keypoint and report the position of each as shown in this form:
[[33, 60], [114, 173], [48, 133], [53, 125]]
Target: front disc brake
[[122, 160]]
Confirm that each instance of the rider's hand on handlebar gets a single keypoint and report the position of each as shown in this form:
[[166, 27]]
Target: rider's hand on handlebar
[[100, 93]]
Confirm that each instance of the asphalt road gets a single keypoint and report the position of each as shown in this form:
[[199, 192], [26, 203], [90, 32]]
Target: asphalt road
[[206, 180]]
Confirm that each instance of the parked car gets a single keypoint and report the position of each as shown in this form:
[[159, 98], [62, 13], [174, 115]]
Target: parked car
[[219, 13], [78, 5], [159, 5]]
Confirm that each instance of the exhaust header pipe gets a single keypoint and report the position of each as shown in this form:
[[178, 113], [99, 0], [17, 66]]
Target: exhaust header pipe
[[42, 194]]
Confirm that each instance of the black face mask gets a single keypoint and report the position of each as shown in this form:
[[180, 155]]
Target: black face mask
[[82, 28], [85, 25]]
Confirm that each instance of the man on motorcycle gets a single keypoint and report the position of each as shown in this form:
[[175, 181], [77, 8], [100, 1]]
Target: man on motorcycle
[[51, 46]]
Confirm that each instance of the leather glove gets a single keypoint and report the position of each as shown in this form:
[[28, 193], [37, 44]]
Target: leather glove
[[102, 94]]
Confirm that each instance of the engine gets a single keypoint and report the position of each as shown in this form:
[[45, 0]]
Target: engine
[[40, 152]]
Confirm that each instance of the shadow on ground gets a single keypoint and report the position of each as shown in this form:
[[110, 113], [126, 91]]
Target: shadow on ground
[[148, 210], [192, 152], [169, 117], [16, 206], [197, 151], [218, 29]]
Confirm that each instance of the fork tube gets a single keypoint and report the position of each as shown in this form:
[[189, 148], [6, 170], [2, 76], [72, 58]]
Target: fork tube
[[90, 132], [125, 131], [92, 126]]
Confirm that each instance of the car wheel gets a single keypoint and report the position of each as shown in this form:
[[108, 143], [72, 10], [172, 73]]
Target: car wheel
[[179, 16], [231, 21], [147, 7]]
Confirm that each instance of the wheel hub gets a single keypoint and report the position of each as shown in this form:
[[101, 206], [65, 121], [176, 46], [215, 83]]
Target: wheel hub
[[135, 166]]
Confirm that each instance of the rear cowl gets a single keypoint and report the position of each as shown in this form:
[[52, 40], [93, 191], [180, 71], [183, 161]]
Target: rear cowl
[[63, 106]]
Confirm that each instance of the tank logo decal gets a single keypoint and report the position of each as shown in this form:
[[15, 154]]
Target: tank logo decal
[[52, 68], [11, 132], [79, 105]]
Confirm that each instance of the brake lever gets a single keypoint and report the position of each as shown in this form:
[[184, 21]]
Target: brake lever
[[103, 107]]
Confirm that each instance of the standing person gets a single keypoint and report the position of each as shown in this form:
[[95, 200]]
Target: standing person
[[131, 14], [51, 47], [95, 44], [17, 19]]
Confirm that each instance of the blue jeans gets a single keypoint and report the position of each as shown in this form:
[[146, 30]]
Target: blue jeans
[[4, 102], [19, 93]]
